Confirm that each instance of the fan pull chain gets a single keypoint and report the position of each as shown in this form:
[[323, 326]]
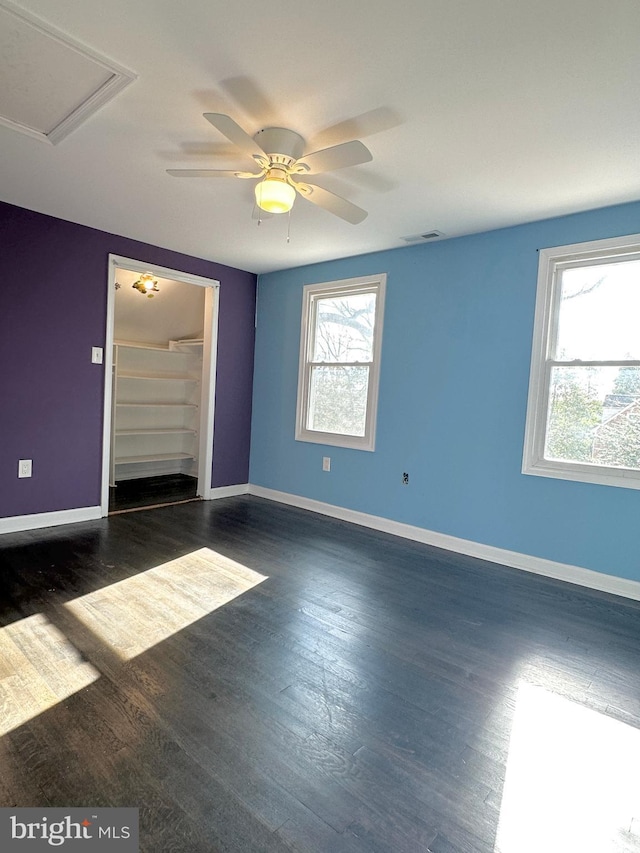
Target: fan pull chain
[[289, 227]]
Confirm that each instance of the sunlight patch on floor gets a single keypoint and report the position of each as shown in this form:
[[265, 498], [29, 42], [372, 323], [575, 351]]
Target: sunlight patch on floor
[[39, 667], [133, 615], [572, 779]]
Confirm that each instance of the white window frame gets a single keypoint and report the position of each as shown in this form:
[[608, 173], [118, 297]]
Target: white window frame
[[311, 294], [552, 262]]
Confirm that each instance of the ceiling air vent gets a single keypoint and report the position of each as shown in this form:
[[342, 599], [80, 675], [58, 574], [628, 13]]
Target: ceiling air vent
[[419, 238]]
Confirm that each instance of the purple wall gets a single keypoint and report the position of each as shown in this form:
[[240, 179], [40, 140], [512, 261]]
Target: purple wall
[[53, 296]]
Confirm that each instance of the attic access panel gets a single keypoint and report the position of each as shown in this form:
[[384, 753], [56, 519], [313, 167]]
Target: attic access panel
[[50, 82]]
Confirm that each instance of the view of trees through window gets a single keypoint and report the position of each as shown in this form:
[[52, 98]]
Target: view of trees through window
[[594, 409], [586, 425], [341, 360]]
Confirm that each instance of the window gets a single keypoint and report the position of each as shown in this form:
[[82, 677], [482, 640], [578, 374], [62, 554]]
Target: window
[[340, 362], [583, 418]]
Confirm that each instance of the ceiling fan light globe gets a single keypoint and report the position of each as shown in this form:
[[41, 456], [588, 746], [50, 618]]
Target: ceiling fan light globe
[[275, 195]]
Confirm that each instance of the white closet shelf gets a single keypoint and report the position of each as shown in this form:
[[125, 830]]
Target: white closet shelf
[[186, 344], [152, 457], [159, 431], [163, 377], [155, 405], [137, 345], [157, 402]]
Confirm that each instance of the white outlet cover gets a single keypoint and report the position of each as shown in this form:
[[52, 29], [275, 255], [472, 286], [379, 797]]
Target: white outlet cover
[[24, 468]]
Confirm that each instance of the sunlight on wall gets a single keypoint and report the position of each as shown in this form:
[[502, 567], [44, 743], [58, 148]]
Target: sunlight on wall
[[38, 668], [572, 780], [134, 614]]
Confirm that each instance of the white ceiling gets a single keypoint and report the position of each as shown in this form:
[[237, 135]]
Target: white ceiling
[[478, 113], [177, 312]]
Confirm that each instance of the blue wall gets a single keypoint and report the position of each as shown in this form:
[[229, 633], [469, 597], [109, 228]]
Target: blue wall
[[453, 393]]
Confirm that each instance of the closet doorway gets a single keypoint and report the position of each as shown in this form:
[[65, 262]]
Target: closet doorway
[[159, 386]]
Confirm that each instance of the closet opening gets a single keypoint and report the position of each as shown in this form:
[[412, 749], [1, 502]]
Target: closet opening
[[159, 411]]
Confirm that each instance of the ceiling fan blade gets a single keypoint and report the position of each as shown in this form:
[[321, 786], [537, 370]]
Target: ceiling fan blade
[[229, 128], [337, 157], [333, 203], [211, 173]]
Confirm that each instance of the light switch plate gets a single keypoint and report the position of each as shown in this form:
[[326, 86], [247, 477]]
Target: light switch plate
[[96, 355]]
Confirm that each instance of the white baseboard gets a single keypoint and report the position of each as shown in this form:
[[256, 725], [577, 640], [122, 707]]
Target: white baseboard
[[512, 559], [17, 523], [227, 491]]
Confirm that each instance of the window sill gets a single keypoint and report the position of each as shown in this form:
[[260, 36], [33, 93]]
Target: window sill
[[331, 439], [585, 474]]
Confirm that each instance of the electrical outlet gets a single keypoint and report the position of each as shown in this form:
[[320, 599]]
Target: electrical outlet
[[405, 479], [24, 467], [326, 463]]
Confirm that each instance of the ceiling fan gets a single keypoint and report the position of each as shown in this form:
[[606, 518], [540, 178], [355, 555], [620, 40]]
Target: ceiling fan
[[283, 168]]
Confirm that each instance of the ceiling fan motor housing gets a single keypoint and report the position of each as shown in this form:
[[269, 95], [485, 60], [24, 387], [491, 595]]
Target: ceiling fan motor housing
[[282, 145]]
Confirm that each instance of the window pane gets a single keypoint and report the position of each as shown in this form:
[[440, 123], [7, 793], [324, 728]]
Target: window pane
[[594, 416], [344, 328], [338, 399], [599, 312]]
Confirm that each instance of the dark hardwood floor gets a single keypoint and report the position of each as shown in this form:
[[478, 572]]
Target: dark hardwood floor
[[369, 694], [152, 491]]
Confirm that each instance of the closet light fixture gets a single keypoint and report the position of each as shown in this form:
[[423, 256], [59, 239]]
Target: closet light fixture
[[146, 284]]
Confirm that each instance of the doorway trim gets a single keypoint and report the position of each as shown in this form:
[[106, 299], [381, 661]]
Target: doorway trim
[[209, 360]]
